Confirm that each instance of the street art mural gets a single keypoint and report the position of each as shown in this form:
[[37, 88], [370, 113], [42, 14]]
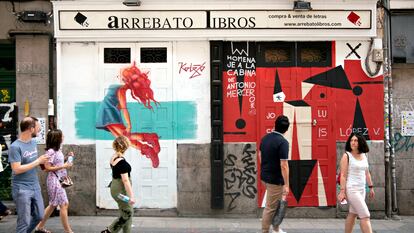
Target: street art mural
[[113, 114], [165, 100], [325, 101], [8, 133], [239, 87]]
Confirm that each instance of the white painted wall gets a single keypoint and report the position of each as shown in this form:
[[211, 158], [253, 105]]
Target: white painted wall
[[342, 51], [77, 81], [197, 88]]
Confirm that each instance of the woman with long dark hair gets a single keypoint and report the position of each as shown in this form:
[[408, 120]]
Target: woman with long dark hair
[[56, 168], [354, 176]]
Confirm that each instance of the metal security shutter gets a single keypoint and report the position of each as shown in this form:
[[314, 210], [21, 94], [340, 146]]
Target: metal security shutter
[[217, 178]]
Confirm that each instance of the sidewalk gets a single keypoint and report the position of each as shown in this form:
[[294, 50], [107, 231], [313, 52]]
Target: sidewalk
[[86, 224]]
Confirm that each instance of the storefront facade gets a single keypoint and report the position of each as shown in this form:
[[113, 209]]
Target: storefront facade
[[220, 75]]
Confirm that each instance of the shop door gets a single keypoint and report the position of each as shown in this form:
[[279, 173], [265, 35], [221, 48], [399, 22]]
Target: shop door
[[153, 187], [320, 189], [282, 90]]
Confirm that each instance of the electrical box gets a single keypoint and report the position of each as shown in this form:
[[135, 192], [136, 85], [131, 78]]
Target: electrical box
[[377, 55], [33, 16]]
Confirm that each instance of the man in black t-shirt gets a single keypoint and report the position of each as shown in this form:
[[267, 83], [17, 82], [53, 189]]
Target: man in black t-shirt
[[274, 150]]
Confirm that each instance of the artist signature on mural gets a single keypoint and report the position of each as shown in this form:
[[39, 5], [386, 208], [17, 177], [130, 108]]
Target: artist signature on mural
[[195, 69]]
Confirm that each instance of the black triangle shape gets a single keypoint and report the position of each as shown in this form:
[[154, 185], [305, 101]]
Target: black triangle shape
[[277, 88], [359, 121], [299, 173], [298, 103], [240, 79], [334, 77]]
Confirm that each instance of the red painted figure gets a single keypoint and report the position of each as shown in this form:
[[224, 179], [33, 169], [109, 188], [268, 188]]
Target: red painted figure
[[114, 104]]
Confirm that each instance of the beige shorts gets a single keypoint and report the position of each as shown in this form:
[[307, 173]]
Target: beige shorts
[[356, 201]]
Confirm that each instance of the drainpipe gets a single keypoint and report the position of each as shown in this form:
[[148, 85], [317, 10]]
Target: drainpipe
[[51, 103], [391, 207]]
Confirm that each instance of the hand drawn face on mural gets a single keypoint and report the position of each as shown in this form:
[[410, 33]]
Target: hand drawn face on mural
[[139, 84]]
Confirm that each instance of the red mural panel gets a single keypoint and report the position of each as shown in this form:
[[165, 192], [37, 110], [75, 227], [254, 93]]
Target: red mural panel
[[303, 109], [324, 104], [342, 100], [239, 93], [360, 109]]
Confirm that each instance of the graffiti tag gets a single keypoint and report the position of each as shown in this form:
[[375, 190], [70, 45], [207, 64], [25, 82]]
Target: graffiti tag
[[6, 139], [9, 109], [402, 143], [240, 180], [5, 95], [407, 106]]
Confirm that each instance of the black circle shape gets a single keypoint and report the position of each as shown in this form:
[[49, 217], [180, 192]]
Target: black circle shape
[[322, 95], [357, 90], [240, 123]]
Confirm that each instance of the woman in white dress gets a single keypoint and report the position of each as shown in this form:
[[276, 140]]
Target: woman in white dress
[[354, 176]]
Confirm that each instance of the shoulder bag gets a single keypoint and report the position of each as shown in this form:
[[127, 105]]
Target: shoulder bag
[[338, 178], [65, 181]]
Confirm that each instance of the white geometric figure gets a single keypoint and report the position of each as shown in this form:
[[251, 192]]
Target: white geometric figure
[[321, 189], [279, 97], [306, 87], [304, 131]]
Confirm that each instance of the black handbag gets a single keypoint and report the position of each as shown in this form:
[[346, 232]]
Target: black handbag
[[280, 212], [65, 181]]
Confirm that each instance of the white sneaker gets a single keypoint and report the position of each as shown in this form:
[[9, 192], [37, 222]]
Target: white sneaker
[[280, 231]]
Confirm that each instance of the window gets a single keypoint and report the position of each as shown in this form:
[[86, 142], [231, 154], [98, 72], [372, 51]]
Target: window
[[290, 54], [402, 35], [314, 54], [153, 55], [7, 58], [117, 55], [276, 54]]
